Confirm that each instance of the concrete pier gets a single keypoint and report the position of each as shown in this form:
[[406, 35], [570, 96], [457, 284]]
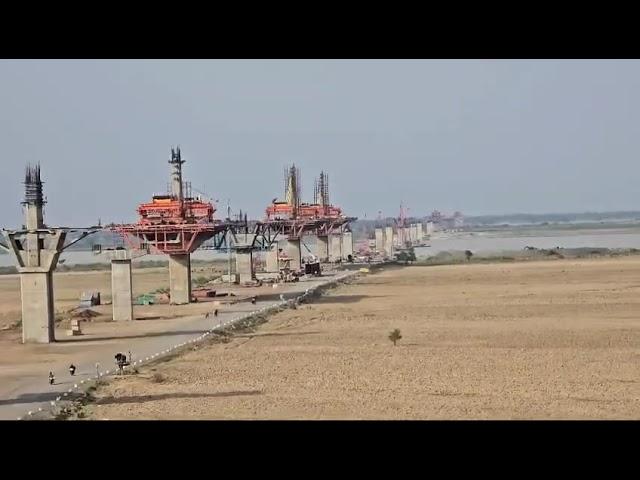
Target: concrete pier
[[388, 242], [294, 252], [244, 265], [419, 233], [429, 228], [36, 264], [121, 290], [273, 260], [347, 245], [414, 234], [407, 236], [335, 248], [180, 279], [36, 250], [38, 319], [322, 248], [379, 241]]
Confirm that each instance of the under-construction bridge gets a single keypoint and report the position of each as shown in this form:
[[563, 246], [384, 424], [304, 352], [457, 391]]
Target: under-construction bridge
[[175, 224]]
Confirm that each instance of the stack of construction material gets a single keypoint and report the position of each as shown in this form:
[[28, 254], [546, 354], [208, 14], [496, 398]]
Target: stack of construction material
[[75, 328]]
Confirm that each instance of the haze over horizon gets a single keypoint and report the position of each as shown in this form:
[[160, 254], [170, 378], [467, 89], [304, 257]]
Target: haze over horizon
[[482, 137]]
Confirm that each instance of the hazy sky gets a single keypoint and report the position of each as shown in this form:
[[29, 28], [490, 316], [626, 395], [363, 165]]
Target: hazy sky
[[482, 137]]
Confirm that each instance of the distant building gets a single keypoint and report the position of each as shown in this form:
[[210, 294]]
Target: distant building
[[435, 217], [442, 222]]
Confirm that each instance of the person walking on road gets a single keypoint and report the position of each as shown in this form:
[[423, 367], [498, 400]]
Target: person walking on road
[[52, 379], [72, 369], [121, 362]]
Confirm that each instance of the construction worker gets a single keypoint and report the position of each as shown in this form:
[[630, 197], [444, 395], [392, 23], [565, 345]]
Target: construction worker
[[121, 362], [52, 379], [72, 369]]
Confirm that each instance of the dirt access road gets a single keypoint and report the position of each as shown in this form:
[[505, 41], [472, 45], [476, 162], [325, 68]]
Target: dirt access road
[[539, 340], [24, 368]]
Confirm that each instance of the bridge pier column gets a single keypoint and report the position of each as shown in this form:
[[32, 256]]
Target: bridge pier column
[[322, 248], [180, 279], [347, 245], [38, 321], [273, 260], [388, 242], [244, 265], [121, 290], [295, 253], [335, 247], [379, 241]]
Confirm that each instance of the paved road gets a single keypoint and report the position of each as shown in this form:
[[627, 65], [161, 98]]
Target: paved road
[[29, 390]]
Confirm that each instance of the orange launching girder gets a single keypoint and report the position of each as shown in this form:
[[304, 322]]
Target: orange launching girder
[[169, 239], [175, 223], [171, 226]]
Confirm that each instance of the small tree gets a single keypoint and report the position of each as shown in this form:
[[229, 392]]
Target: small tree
[[394, 336], [468, 254], [406, 256]]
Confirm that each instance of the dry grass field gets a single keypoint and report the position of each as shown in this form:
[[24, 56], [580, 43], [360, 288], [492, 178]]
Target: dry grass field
[[535, 340]]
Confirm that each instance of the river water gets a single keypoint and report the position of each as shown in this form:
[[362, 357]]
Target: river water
[[493, 242], [477, 242]]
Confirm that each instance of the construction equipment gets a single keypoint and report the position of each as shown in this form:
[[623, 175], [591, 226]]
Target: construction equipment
[[293, 208], [173, 223], [313, 269]]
